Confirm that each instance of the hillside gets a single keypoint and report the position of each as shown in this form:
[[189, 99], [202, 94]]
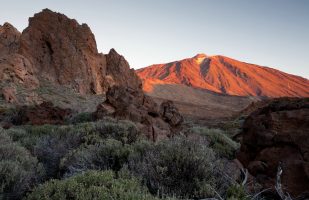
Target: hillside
[[224, 75]]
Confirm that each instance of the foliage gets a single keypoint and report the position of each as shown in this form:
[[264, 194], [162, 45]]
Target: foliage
[[218, 141], [80, 118], [179, 166], [92, 185], [108, 154], [124, 131], [236, 192], [19, 171]]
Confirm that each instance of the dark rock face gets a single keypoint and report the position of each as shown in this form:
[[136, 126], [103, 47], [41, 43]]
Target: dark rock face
[[127, 103], [278, 133], [45, 113]]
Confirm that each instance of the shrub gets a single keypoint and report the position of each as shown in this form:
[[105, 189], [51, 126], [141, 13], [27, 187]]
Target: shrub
[[179, 166], [109, 154], [124, 131], [236, 192], [50, 149], [19, 171], [218, 141], [92, 185], [8, 114], [80, 118]]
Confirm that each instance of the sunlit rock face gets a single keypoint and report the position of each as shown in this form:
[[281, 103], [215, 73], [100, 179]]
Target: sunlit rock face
[[224, 75], [62, 51]]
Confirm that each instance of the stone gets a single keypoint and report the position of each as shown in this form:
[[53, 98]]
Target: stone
[[278, 133], [170, 113], [132, 104], [45, 113]]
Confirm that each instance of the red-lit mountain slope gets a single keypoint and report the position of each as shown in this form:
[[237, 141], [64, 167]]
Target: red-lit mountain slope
[[226, 76]]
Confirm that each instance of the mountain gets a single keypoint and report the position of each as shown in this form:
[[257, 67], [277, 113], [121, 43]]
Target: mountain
[[224, 75]]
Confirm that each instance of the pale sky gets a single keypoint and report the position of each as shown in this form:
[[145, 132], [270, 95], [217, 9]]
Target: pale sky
[[272, 33]]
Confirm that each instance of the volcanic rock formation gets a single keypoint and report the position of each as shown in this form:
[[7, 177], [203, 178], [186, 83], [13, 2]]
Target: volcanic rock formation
[[58, 49], [224, 75], [154, 121], [278, 134], [63, 53]]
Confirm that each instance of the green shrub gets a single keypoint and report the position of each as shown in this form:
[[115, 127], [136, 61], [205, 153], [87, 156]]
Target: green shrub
[[218, 141], [50, 149], [80, 118], [124, 131], [50, 143], [176, 167], [19, 171], [236, 192], [109, 154], [92, 185]]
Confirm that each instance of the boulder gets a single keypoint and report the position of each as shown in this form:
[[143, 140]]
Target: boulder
[[131, 104], [45, 113], [170, 113], [278, 134]]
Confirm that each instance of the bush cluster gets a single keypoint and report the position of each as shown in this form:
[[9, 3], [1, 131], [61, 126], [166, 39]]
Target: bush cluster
[[218, 141], [177, 167], [19, 170], [108, 159], [92, 185]]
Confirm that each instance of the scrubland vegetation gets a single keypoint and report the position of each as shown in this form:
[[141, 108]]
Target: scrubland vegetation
[[109, 159]]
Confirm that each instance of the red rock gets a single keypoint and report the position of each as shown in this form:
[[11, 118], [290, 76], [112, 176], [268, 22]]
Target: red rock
[[63, 52], [9, 39], [45, 113], [127, 103], [277, 133]]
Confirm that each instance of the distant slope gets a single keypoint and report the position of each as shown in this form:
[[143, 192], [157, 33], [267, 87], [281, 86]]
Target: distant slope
[[227, 76], [197, 103]]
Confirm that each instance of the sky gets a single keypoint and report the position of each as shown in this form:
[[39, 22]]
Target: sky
[[272, 33]]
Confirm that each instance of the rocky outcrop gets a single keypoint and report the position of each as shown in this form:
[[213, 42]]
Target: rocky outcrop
[[9, 39], [170, 113], [14, 68], [62, 52], [127, 103], [45, 113], [278, 134], [57, 49], [119, 69]]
